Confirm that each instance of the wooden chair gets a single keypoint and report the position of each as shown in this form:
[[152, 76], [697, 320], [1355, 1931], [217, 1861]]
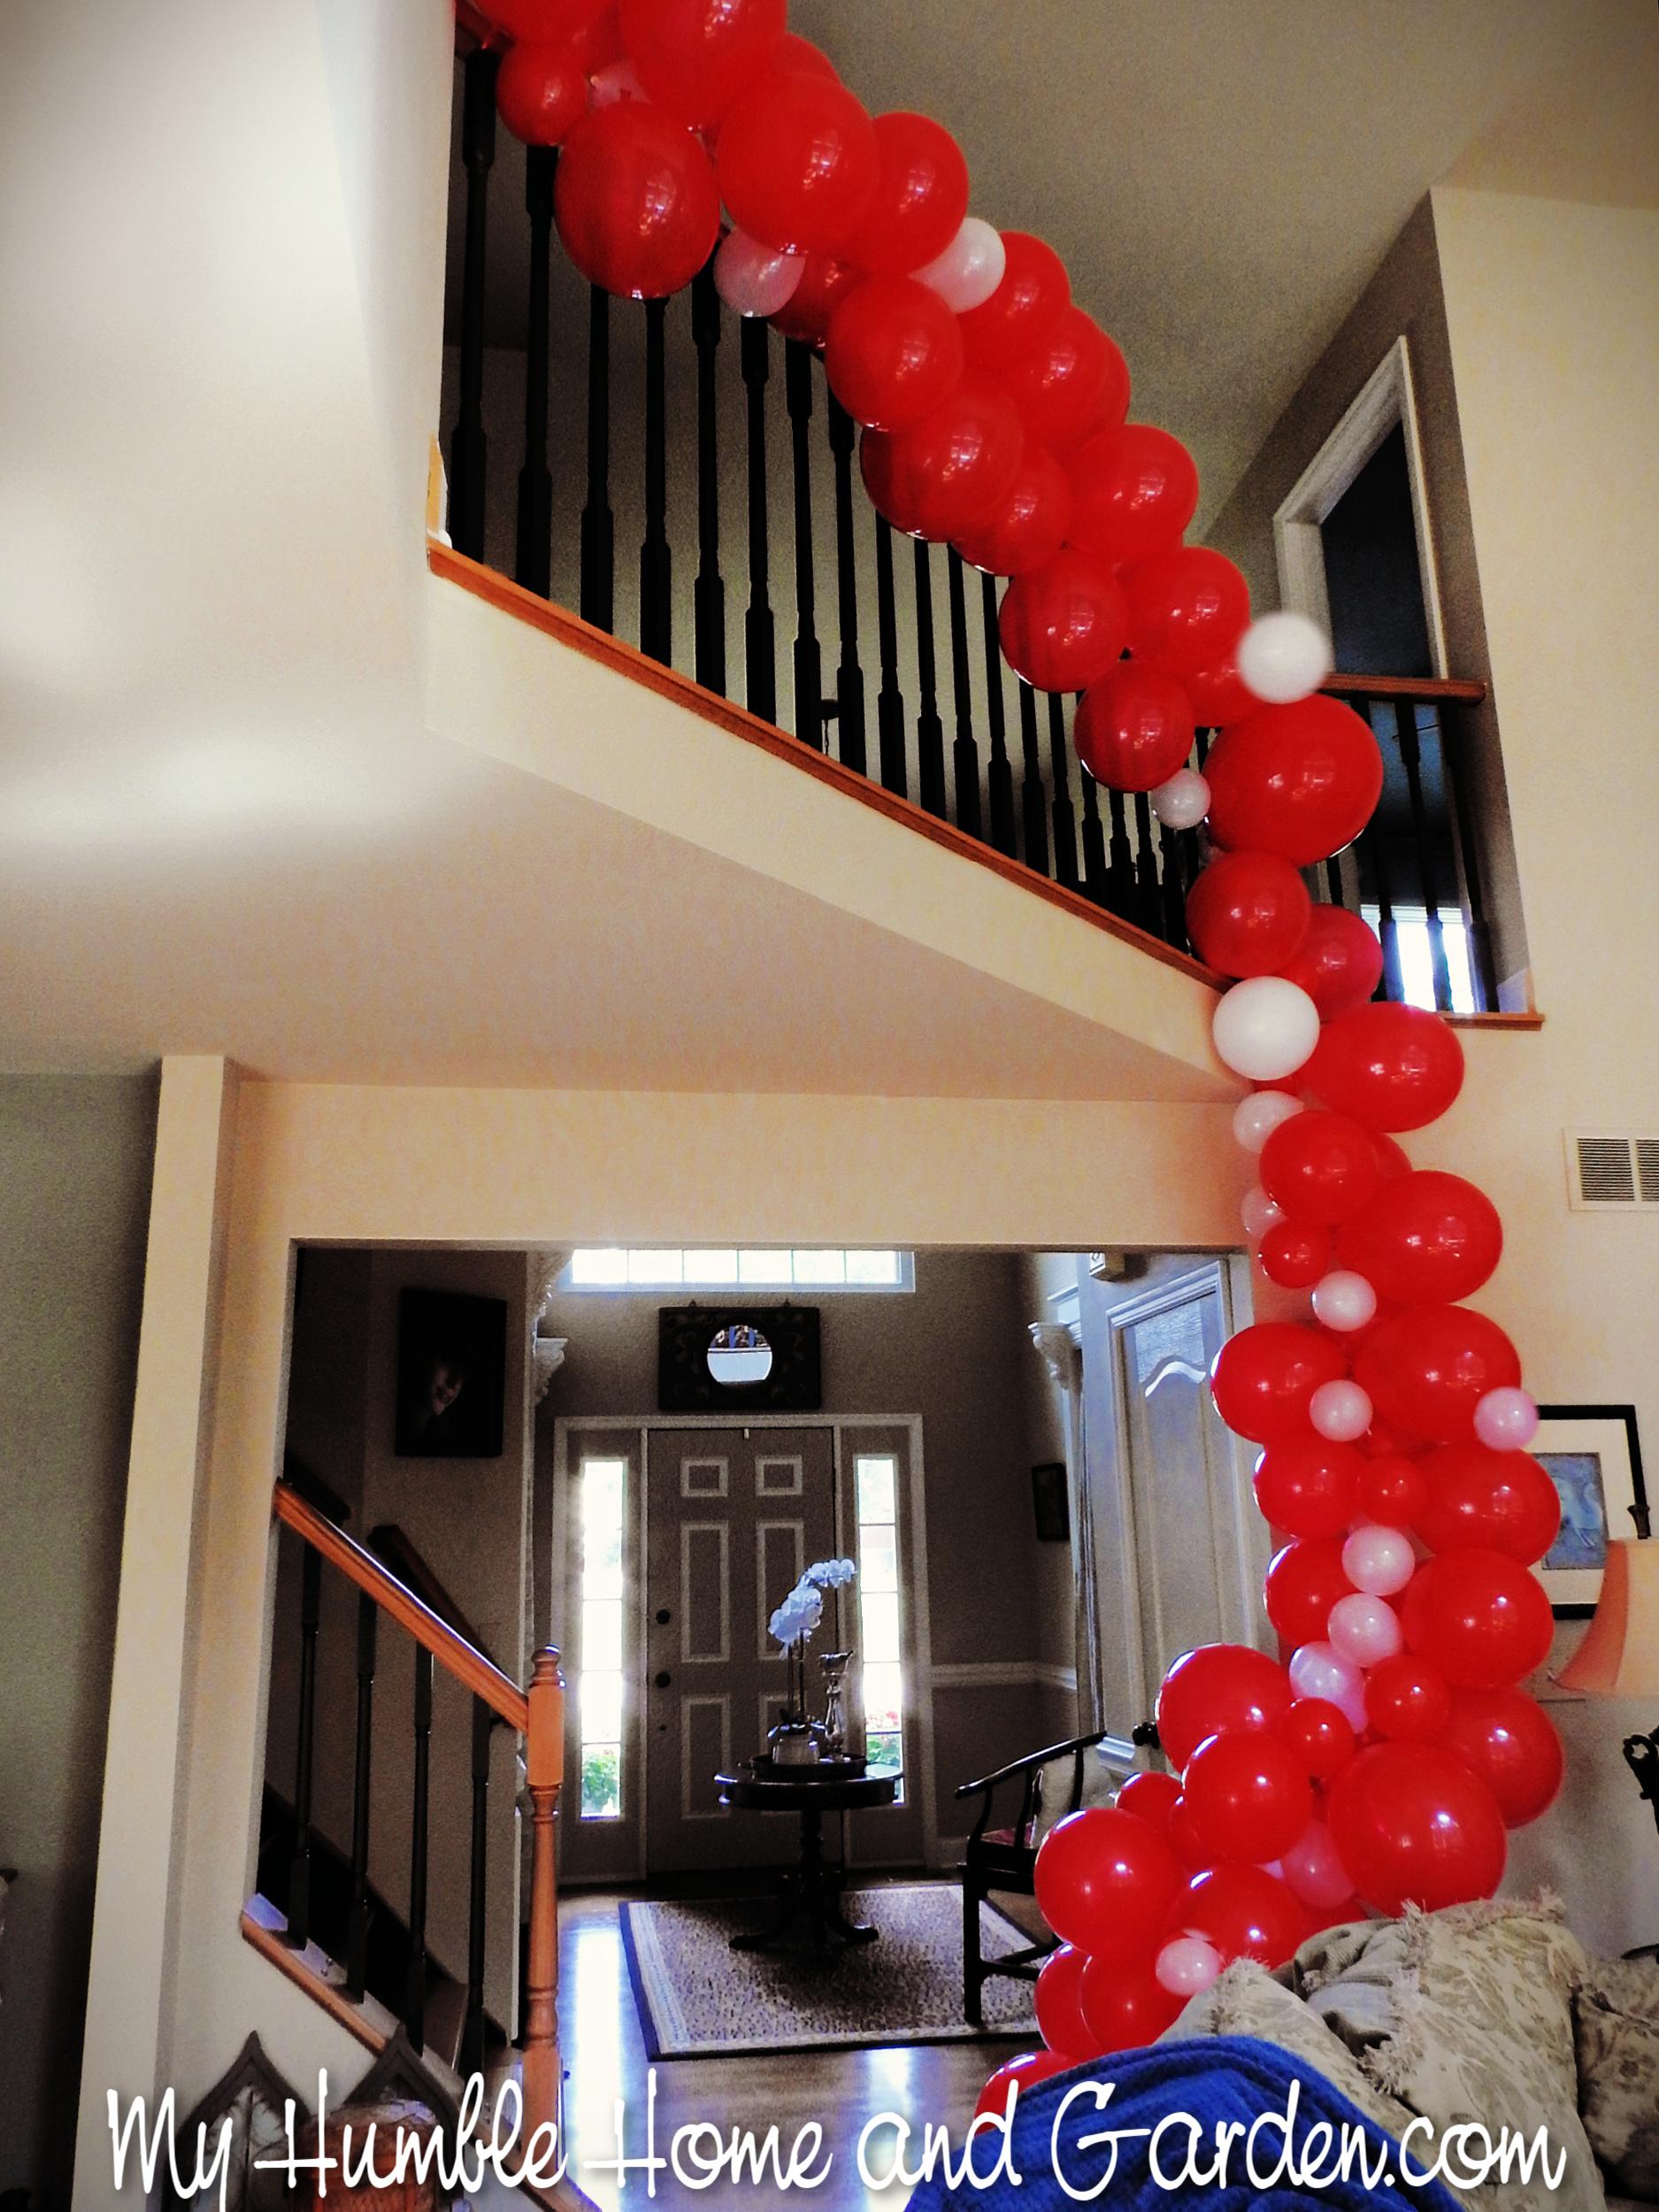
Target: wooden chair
[[1006, 1858]]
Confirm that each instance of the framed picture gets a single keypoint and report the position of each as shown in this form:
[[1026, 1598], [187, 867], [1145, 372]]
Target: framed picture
[[762, 1358], [1050, 1503], [451, 1375], [1592, 1455]]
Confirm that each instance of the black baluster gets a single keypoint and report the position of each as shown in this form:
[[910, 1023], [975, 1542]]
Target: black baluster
[[930, 730], [534, 556], [965, 753], [1371, 845], [357, 1925], [468, 447], [1482, 971], [808, 667], [1064, 819], [1095, 878], [1411, 755], [889, 699], [473, 2033], [999, 775], [598, 526], [850, 676], [1147, 896], [415, 1989], [1120, 873], [1033, 799], [299, 1927], [709, 597], [656, 563], [1174, 930], [759, 644]]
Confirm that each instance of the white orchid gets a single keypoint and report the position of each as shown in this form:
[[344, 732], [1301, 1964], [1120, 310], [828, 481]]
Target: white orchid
[[798, 1616]]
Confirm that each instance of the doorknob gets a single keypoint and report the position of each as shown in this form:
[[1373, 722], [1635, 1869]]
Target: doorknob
[[663, 1617], [660, 1681]]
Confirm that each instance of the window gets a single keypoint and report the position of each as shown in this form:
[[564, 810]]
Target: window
[[875, 1481], [1414, 951], [613, 1267], [599, 1687]]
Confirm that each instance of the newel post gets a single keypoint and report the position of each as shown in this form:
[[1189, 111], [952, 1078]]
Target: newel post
[[544, 1759]]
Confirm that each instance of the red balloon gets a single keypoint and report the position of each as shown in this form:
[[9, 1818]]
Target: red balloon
[[1320, 1734], [1246, 913], [797, 52], [541, 93], [1304, 1581], [1061, 384], [1024, 307], [1216, 1686], [1125, 2005], [1219, 694], [1309, 1487], [1184, 1838], [1136, 489], [1188, 610], [1510, 1742], [597, 35], [1300, 780], [1248, 1795], [1392, 1491], [1426, 1368], [1392, 1067], [797, 163], [1392, 1158], [545, 22], [1339, 963], [1062, 625], [947, 472], [1427, 1238], [695, 57], [893, 354], [1295, 1255], [1263, 1378], [921, 199], [1134, 728], [1319, 1167], [1059, 2000], [1413, 1826], [1408, 1698], [635, 201], [1480, 1499], [811, 309], [1245, 1912], [1482, 1617], [1150, 1797], [1030, 526], [1103, 1878], [1019, 2074]]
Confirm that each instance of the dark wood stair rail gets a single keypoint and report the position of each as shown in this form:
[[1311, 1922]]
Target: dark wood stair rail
[[537, 1715]]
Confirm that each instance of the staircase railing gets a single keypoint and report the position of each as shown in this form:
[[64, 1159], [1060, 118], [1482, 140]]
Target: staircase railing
[[534, 1714], [575, 421]]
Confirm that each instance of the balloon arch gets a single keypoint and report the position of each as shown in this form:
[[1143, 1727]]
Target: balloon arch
[[1382, 1764]]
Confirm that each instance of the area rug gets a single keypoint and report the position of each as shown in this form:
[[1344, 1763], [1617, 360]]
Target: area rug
[[697, 1998]]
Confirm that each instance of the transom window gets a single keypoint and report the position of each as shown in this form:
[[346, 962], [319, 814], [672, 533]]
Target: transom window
[[618, 1267], [599, 1683], [875, 1482]]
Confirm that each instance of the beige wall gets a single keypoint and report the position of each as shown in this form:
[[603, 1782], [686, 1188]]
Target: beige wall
[[75, 1157]]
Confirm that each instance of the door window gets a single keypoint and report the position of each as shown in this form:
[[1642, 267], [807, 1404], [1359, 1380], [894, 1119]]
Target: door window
[[599, 1691]]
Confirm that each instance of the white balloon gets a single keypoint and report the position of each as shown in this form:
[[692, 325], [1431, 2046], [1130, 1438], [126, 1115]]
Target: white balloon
[[1364, 1629], [971, 267], [1283, 657], [1340, 1411], [1343, 1299], [1320, 1671], [1506, 1420], [1265, 1028], [1378, 1560], [1259, 1213], [1187, 1965], [617, 80], [1256, 1116], [1314, 1869], [1183, 802], [754, 278]]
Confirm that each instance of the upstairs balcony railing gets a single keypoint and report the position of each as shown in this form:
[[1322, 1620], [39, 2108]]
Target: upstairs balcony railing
[[579, 427]]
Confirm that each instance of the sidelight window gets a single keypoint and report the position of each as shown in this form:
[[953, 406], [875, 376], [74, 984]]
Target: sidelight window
[[875, 1481], [602, 1502]]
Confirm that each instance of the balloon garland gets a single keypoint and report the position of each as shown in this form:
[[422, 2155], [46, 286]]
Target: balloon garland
[[1381, 1763]]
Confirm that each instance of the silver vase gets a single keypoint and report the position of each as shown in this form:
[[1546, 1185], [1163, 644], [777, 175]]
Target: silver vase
[[835, 1664]]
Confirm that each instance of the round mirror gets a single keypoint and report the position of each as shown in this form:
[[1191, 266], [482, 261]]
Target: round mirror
[[739, 1354]]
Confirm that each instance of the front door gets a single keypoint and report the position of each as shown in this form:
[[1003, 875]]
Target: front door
[[733, 1517]]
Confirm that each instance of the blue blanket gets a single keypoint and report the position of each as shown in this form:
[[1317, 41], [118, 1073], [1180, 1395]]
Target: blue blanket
[[1165, 2106]]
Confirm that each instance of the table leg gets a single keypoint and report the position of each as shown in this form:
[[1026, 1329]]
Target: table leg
[[811, 1894]]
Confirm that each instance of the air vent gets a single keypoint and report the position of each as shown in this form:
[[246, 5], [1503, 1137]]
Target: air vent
[[1617, 1171]]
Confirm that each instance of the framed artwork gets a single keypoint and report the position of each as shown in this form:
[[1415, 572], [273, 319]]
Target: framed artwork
[[1592, 1457], [764, 1358], [451, 1375], [1050, 1503]]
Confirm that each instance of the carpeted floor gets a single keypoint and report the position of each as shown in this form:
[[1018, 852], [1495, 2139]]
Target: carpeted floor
[[697, 1998]]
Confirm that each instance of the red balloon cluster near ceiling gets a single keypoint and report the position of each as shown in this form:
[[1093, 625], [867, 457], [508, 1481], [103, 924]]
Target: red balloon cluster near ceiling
[[1380, 1763]]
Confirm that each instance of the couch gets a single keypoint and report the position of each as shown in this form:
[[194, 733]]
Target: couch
[[1492, 2013]]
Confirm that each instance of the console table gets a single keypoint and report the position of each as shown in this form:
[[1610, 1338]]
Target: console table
[[809, 1892]]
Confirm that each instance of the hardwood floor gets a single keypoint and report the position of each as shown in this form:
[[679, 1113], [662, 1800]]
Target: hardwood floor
[[604, 2057]]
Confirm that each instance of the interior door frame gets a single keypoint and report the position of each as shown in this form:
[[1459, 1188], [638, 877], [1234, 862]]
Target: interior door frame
[[919, 1725]]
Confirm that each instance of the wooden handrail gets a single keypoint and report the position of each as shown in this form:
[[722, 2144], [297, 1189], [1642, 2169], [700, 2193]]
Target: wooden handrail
[[1465, 690], [453, 1653]]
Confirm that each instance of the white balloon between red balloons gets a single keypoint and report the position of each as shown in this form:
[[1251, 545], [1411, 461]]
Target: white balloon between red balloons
[[753, 279], [1283, 657], [971, 267]]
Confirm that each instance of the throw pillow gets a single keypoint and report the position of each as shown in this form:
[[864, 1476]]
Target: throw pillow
[[1616, 2017]]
